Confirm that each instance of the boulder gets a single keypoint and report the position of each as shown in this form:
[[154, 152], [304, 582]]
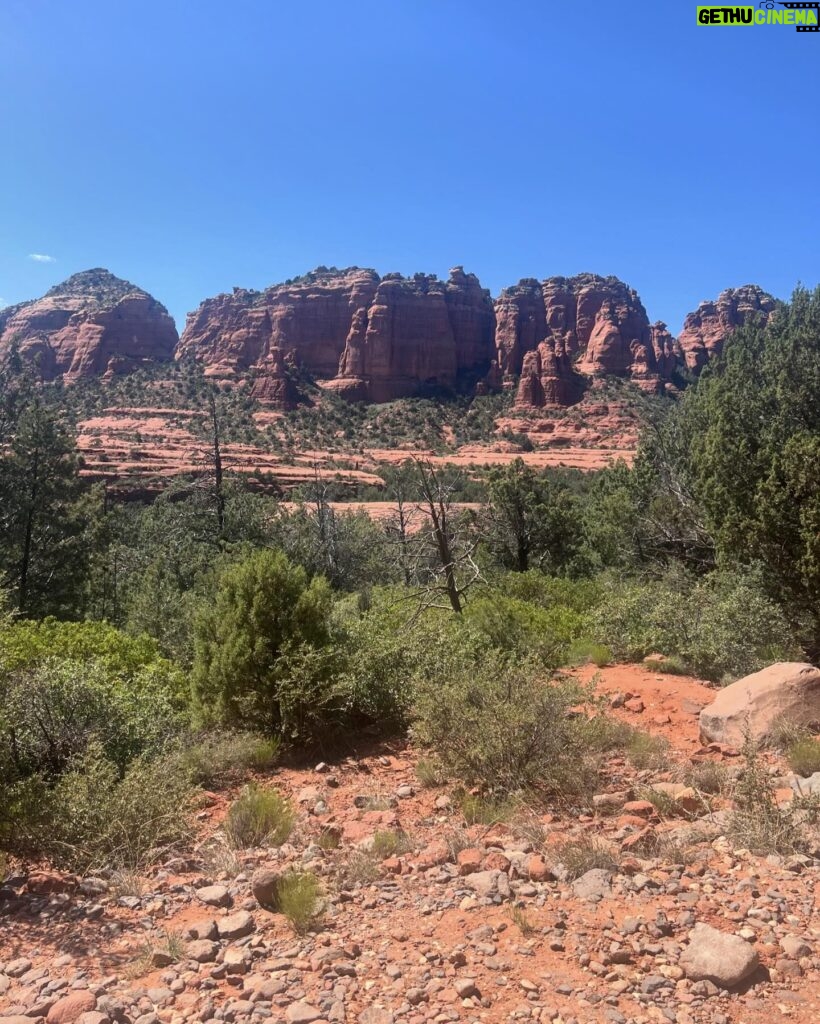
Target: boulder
[[718, 957], [786, 691]]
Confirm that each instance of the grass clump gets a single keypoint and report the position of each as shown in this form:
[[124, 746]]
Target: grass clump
[[804, 756], [428, 773], [360, 868], [391, 843], [484, 810], [581, 855], [708, 777], [647, 751], [218, 758], [521, 919], [588, 652], [258, 817], [298, 897]]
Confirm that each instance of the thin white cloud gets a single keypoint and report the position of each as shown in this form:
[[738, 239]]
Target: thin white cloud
[[40, 257]]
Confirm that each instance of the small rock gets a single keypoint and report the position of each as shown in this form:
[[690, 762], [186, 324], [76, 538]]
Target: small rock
[[234, 926], [70, 1007], [214, 896], [718, 957]]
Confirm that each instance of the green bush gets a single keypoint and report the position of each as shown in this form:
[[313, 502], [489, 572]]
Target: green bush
[[298, 898], [506, 729], [721, 625], [264, 658], [258, 817], [804, 756], [586, 652], [524, 628], [217, 758], [93, 818], [51, 710]]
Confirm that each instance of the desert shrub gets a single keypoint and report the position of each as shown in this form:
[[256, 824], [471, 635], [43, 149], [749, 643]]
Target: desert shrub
[[758, 823], [216, 758], [585, 652], [388, 646], [258, 817], [94, 817], [486, 810], [708, 777], [647, 751], [390, 843], [722, 625], [526, 629], [504, 728], [537, 588], [52, 709], [264, 658], [577, 856], [297, 896], [804, 756], [428, 772]]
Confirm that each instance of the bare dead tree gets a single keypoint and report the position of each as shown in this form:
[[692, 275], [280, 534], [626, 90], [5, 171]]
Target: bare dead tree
[[450, 566]]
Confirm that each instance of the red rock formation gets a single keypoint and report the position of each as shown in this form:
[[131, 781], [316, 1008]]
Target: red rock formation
[[556, 335], [90, 325], [366, 338], [705, 330]]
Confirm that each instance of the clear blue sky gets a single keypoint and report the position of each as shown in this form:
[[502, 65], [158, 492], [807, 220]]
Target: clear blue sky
[[193, 145]]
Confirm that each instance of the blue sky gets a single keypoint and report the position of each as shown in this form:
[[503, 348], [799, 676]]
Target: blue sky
[[194, 146]]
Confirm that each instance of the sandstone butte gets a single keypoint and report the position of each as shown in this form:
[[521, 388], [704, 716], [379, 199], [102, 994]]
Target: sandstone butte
[[94, 324], [376, 339]]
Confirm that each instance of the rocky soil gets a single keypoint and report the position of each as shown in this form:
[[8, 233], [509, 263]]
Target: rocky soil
[[464, 923]]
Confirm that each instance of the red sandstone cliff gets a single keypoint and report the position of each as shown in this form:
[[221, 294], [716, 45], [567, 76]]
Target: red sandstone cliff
[[368, 338], [93, 324], [554, 336], [705, 331]]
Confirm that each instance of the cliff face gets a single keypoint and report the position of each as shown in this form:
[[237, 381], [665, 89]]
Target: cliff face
[[375, 339], [705, 331], [368, 338], [93, 324], [554, 336]]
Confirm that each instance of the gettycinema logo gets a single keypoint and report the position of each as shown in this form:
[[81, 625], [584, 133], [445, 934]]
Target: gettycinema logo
[[804, 17]]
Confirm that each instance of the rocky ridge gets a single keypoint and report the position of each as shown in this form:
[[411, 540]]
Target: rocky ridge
[[375, 339]]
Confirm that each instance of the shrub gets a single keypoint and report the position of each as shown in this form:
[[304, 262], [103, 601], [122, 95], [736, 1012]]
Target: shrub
[[482, 810], [647, 751], [259, 816], [263, 657], [389, 843], [721, 625], [585, 652], [297, 896], [581, 855], [216, 758], [93, 818], [526, 629], [53, 709], [428, 773], [505, 729], [804, 756], [757, 822]]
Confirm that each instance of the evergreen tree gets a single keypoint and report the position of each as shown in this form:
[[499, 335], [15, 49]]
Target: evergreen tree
[[42, 542]]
